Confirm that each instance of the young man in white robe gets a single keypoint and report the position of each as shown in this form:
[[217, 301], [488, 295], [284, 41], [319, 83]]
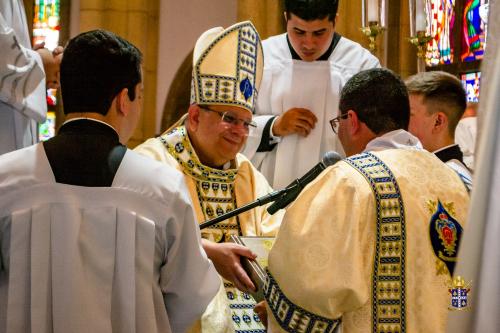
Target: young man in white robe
[[24, 76], [204, 145], [437, 103], [304, 71], [371, 244], [95, 237]]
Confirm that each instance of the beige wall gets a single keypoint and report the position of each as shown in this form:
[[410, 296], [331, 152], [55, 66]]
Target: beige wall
[[181, 23]]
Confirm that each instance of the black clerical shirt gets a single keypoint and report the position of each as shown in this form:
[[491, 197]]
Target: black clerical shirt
[[85, 153], [450, 153]]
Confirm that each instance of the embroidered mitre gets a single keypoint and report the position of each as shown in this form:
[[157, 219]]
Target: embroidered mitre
[[227, 67]]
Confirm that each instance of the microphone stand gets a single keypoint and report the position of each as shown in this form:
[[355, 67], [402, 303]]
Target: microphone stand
[[291, 193], [273, 196]]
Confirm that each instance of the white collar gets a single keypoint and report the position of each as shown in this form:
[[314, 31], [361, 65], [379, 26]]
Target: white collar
[[399, 139], [443, 148]]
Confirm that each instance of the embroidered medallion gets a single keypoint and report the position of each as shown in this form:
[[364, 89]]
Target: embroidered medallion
[[445, 233], [459, 290], [246, 88], [388, 281]]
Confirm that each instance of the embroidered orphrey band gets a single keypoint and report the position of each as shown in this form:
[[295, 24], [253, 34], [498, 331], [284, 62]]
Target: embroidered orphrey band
[[291, 317], [388, 281]]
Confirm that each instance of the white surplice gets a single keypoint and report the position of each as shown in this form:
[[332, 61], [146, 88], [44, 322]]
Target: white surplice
[[478, 260], [316, 86], [22, 81], [465, 137], [125, 258]]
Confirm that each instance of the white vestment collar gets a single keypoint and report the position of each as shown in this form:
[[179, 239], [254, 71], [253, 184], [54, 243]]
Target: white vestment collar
[[443, 148], [399, 139]]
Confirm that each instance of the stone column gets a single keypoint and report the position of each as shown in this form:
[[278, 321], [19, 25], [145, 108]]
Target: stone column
[[137, 21], [266, 15]]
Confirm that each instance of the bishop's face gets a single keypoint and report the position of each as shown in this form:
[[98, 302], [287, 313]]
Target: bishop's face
[[220, 133], [310, 39]]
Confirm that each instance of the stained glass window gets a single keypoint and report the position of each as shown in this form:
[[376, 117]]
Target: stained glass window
[[471, 81], [474, 29], [440, 23], [48, 129], [46, 23], [46, 27]]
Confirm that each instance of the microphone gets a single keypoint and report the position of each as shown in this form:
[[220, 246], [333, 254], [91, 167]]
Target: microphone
[[295, 187]]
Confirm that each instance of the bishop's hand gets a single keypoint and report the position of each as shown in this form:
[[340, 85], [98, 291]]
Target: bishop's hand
[[226, 259]]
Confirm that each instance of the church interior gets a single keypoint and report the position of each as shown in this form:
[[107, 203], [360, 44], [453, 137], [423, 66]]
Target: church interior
[[408, 37], [396, 32]]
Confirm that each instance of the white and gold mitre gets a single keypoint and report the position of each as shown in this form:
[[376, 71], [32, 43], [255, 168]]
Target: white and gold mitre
[[227, 66]]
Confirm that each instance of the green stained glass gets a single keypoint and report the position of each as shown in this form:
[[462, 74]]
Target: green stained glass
[[474, 31]]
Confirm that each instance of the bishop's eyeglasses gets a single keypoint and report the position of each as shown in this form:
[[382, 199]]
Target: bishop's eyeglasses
[[231, 119], [334, 123]]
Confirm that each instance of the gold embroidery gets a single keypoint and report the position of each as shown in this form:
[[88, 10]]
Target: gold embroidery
[[448, 242], [388, 278], [214, 187], [432, 206]]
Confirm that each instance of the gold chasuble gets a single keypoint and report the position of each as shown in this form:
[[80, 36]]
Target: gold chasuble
[[369, 246], [215, 192]]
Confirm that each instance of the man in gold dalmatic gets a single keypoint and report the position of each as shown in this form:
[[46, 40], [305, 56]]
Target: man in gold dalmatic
[[371, 244], [204, 145]]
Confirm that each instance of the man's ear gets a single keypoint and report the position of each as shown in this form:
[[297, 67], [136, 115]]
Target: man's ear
[[440, 122], [122, 102], [354, 122], [284, 15], [335, 20], [193, 117]]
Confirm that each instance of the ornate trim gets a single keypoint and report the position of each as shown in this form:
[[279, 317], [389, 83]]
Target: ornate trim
[[388, 281], [292, 318], [190, 163], [214, 187]]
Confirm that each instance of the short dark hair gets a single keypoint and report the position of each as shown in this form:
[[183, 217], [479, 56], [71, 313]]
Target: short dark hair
[[379, 98], [441, 92], [95, 67], [311, 10]]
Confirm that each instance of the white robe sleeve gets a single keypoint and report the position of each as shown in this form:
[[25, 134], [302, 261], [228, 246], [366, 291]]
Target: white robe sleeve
[[188, 279], [22, 78], [263, 114]]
